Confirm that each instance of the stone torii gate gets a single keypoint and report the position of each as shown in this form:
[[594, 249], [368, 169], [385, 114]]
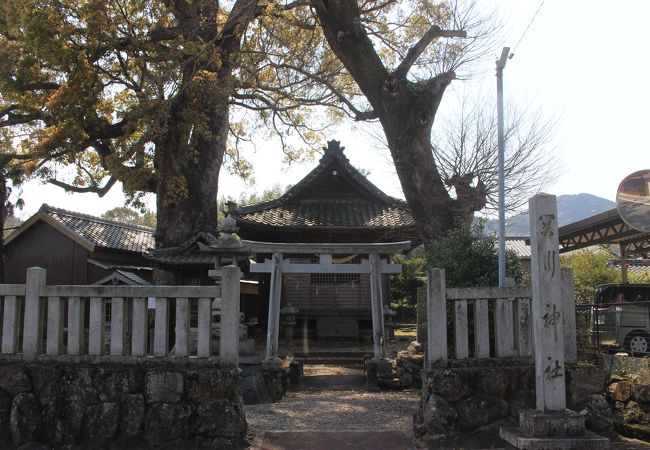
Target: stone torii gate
[[277, 266]]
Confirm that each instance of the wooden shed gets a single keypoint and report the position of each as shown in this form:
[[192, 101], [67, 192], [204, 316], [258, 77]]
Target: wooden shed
[[76, 248]]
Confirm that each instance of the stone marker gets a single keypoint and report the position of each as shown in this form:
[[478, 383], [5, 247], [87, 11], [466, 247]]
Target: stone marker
[[551, 425], [547, 309]]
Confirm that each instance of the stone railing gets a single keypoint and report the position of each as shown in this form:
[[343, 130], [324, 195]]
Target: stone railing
[[41, 319], [498, 317]]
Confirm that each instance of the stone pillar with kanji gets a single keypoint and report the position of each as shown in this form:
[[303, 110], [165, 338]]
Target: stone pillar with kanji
[[550, 425]]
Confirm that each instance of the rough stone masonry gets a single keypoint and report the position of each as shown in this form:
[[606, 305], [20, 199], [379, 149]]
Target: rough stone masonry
[[120, 406]]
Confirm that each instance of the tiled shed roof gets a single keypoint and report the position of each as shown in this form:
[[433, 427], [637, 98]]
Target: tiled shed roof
[[93, 231], [103, 232]]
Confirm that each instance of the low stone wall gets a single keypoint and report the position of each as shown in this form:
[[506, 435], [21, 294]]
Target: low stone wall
[[262, 384], [478, 396], [631, 400], [161, 404]]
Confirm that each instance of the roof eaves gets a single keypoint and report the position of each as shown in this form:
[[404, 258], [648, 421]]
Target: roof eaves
[[42, 215]]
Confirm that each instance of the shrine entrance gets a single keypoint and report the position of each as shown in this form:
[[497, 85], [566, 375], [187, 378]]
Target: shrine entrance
[[368, 260]]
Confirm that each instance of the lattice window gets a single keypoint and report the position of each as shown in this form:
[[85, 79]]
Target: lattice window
[[335, 278]]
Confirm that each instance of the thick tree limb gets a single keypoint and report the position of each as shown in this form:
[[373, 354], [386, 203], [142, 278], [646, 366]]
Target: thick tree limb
[[414, 52], [99, 190], [42, 85], [19, 119], [8, 109], [377, 6], [340, 20], [106, 130]]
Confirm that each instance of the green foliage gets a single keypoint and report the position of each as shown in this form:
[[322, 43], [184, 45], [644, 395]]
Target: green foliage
[[106, 86], [590, 268], [11, 223], [641, 277], [251, 198], [471, 258], [404, 285], [271, 193], [128, 215]]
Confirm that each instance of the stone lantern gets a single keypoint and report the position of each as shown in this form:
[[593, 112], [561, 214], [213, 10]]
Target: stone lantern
[[228, 250]]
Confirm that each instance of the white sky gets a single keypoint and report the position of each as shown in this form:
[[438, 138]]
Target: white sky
[[585, 62]]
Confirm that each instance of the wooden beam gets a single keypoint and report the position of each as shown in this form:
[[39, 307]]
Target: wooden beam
[[288, 267], [288, 248]]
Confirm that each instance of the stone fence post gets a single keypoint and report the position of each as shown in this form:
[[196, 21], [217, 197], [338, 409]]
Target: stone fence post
[[33, 322], [436, 317], [229, 339]]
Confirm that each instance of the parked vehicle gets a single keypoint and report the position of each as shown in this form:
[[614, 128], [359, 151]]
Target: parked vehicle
[[623, 317]]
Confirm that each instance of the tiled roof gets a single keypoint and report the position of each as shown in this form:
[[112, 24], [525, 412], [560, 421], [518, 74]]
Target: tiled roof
[[367, 207], [103, 232], [125, 277], [186, 253], [331, 213]]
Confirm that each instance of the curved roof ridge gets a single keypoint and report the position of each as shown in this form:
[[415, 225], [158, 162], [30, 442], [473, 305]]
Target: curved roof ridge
[[333, 152]]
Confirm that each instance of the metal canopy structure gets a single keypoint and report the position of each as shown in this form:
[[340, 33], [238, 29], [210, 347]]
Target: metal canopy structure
[[605, 228]]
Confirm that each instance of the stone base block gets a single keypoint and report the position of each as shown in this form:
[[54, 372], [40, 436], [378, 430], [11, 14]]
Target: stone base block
[[272, 364], [516, 439], [247, 347], [377, 369], [551, 423]]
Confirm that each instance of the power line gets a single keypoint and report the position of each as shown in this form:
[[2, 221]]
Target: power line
[[529, 24]]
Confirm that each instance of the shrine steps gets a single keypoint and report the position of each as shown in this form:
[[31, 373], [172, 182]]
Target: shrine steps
[[333, 358]]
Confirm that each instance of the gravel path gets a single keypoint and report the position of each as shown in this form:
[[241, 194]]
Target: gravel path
[[335, 410]]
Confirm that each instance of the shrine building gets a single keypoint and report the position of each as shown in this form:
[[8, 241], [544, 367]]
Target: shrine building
[[333, 204]]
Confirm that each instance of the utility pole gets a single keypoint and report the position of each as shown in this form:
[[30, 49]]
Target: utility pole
[[501, 64]]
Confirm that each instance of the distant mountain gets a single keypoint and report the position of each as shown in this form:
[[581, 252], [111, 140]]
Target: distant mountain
[[570, 208]]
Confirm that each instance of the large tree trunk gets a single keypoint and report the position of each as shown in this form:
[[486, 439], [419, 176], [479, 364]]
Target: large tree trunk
[[186, 196], [406, 111], [3, 218], [407, 118], [190, 154]]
